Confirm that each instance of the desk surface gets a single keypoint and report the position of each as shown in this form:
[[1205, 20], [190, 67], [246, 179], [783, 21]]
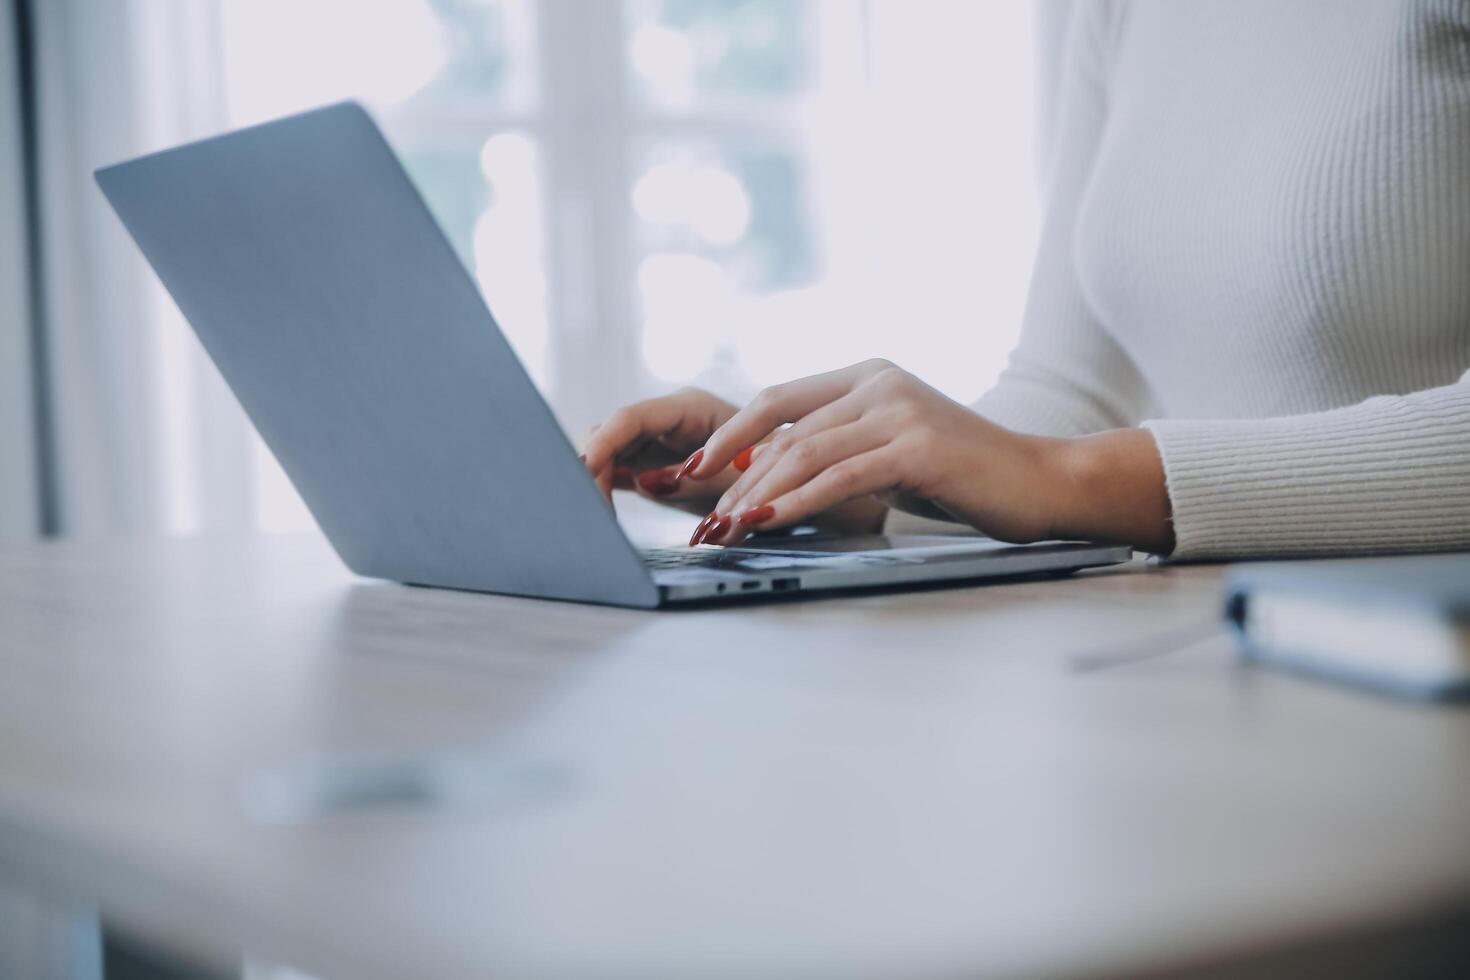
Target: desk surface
[[238, 746]]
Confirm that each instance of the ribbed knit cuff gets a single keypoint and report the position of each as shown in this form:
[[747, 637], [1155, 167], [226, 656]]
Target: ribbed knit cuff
[[1391, 474]]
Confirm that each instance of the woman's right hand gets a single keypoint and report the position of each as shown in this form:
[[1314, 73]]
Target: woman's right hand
[[643, 447]]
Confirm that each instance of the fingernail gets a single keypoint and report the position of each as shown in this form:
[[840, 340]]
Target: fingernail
[[718, 528], [660, 482], [692, 463], [582, 457], [742, 459], [758, 515], [699, 532]]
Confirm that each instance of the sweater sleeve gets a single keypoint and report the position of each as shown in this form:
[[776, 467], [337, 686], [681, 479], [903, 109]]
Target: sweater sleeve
[[1388, 474]]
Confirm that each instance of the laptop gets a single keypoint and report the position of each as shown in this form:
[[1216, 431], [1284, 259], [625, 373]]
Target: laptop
[[357, 342]]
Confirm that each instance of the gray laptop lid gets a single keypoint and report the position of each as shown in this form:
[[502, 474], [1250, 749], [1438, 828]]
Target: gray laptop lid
[[361, 349]]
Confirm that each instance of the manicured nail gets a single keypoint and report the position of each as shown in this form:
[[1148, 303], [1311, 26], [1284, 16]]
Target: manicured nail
[[742, 459], [699, 532], [718, 528], [758, 515], [692, 463], [660, 482]]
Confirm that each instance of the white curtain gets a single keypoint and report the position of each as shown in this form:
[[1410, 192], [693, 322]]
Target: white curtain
[[112, 79], [36, 937], [19, 478]]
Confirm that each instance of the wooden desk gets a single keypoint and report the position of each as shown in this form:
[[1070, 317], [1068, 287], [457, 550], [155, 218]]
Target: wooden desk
[[238, 746]]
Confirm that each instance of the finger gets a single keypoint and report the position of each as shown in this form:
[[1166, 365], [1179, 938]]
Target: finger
[[746, 456], [631, 425], [774, 406], [804, 462], [875, 471], [662, 481], [665, 485], [603, 479], [656, 453], [843, 411]]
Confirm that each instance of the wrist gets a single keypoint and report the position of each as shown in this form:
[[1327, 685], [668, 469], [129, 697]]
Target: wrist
[[1113, 489]]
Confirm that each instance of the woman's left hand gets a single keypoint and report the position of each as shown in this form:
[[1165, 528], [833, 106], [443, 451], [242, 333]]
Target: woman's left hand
[[873, 429]]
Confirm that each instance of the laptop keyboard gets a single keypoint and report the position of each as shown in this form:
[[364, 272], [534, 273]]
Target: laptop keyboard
[[684, 557], [742, 560]]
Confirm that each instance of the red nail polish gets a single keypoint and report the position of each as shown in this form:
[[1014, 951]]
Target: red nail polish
[[718, 528], [660, 483], [699, 532], [742, 459], [692, 463], [758, 515]]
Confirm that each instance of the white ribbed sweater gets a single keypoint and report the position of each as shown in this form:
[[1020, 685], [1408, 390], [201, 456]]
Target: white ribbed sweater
[[1257, 245]]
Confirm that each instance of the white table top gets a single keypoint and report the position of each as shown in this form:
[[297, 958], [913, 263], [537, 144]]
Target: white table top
[[236, 745]]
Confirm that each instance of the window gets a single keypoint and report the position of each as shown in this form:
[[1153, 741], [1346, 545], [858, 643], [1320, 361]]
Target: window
[[657, 192]]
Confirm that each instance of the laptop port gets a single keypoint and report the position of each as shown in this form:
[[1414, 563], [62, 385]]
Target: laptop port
[[784, 584], [747, 586]]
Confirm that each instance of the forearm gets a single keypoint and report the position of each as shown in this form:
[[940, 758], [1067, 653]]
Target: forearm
[[874, 431], [1104, 487]]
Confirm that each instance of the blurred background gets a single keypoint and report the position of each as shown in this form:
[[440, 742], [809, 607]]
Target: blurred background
[[650, 193]]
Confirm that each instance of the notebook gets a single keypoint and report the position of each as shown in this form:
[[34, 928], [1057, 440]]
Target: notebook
[[1398, 625]]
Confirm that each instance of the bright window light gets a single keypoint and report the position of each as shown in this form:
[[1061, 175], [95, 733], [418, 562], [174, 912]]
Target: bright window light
[[509, 246], [653, 193], [688, 308], [283, 55]]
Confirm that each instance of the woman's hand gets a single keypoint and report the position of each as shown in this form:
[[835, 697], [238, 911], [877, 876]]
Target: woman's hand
[[645, 448], [873, 429]]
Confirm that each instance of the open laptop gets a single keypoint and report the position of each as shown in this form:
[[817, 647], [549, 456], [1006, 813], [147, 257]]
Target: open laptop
[[357, 342]]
